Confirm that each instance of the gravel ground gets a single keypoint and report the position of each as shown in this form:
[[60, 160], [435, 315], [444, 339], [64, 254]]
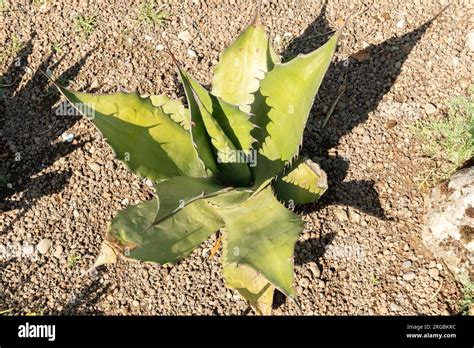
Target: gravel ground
[[360, 252]]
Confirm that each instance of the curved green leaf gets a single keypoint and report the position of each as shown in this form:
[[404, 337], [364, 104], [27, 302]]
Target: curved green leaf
[[288, 92], [242, 65], [303, 183], [235, 123], [233, 170], [261, 233], [252, 286], [199, 135], [176, 193], [171, 225], [231, 198], [142, 136]]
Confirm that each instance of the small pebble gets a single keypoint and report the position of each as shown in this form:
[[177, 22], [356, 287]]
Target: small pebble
[[394, 307], [313, 267], [434, 273], [67, 137], [185, 36], [354, 217], [149, 183], [28, 249], [44, 245], [430, 109], [94, 166], [304, 282], [401, 23], [58, 251], [406, 264], [341, 214], [95, 84], [409, 276]]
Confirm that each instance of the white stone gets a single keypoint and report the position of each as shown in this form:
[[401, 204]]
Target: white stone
[[401, 23], [191, 53], [354, 217], [94, 166], [341, 214], [58, 251], [409, 276], [430, 109], [149, 183], [67, 137], [44, 245], [277, 39], [28, 249], [394, 307], [185, 36], [434, 273], [406, 264], [449, 222]]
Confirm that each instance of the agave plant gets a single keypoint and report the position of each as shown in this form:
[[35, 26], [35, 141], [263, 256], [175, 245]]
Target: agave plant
[[227, 162]]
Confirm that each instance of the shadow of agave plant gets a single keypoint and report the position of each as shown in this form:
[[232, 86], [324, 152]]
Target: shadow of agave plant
[[366, 82], [29, 131], [383, 65]]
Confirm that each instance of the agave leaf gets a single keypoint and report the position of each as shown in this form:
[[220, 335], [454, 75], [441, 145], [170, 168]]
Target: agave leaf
[[252, 286], [242, 65], [106, 255], [171, 240], [288, 93], [229, 199], [142, 136], [176, 193], [171, 225], [261, 234], [199, 135], [174, 108], [232, 170], [235, 123], [303, 183]]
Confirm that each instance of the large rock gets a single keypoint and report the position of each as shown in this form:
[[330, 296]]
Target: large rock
[[449, 229]]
